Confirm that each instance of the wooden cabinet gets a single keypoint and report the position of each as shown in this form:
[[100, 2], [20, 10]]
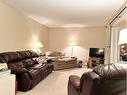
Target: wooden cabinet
[[94, 62]]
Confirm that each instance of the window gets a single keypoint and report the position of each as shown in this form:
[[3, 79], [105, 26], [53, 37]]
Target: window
[[119, 39]]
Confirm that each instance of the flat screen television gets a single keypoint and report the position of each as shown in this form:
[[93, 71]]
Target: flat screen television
[[96, 52]]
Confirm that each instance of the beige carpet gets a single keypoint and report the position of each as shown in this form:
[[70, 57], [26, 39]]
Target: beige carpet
[[55, 83]]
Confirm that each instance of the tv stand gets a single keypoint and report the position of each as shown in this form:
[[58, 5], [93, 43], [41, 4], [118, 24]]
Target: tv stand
[[94, 61]]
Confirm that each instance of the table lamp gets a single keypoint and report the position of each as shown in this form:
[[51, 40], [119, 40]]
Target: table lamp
[[37, 47]]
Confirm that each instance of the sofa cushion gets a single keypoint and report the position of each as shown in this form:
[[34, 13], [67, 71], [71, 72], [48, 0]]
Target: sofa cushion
[[16, 64], [111, 71], [27, 54], [17, 67], [9, 57], [19, 70], [36, 66], [24, 54], [34, 73], [29, 62], [75, 81]]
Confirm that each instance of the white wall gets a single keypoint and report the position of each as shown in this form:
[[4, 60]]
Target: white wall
[[18, 32], [85, 38]]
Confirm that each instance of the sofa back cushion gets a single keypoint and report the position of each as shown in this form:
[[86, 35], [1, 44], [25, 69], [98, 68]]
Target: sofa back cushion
[[54, 54], [113, 76], [107, 79], [24, 54], [7, 57], [27, 54], [111, 71], [22, 64], [28, 62], [17, 64]]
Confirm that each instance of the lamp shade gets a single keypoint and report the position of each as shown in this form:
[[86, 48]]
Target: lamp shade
[[38, 45], [73, 43], [123, 36]]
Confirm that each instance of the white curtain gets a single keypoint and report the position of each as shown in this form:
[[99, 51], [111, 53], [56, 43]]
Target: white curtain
[[114, 45], [118, 24]]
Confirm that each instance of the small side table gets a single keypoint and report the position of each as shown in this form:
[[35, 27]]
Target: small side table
[[79, 63], [94, 62]]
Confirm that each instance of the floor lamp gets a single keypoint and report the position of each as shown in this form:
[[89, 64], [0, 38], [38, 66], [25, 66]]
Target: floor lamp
[[72, 44]]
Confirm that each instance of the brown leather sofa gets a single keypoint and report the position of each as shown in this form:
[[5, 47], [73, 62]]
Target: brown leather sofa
[[29, 71], [103, 80]]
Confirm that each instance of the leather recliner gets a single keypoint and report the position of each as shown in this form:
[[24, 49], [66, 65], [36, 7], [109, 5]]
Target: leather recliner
[[107, 79]]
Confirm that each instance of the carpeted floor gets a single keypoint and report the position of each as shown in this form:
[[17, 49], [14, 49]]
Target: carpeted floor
[[55, 83]]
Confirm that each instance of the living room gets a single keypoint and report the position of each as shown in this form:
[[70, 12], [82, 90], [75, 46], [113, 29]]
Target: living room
[[71, 27]]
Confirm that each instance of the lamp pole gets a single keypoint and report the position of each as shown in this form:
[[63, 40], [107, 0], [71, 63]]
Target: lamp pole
[[72, 51], [72, 44]]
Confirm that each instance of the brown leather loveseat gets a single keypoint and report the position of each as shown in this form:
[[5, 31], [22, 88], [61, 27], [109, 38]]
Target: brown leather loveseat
[[29, 71], [103, 80]]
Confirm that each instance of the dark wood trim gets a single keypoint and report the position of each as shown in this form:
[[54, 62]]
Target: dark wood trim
[[118, 15]]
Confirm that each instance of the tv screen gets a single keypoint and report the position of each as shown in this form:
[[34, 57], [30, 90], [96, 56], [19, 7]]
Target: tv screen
[[96, 52]]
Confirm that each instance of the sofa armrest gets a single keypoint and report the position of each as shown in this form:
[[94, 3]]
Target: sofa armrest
[[74, 85], [19, 70], [24, 81], [75, 81], [89, 83]]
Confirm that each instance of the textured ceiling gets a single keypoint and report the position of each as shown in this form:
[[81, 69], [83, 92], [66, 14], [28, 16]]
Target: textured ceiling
[[68, 13]]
